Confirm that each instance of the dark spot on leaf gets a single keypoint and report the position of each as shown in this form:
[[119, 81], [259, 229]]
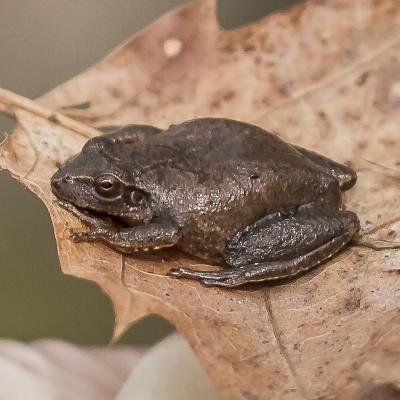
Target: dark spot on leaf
[[80, 106], [249, 47], [391, 234], [362, 78], [352, 303], [295, 19], [362, 145], [53, 118], [228, 49], [229, 95]]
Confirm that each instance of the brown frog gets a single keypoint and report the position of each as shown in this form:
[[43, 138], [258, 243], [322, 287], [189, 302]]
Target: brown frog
[[225, 191]]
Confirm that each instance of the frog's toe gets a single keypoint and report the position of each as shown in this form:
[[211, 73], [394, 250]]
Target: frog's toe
[[83, 215], [176, 272], [224, 278], [62, 203], [228, 283], [79, 237], [184, 273], [212, 282], [70, 207], [208, 278]]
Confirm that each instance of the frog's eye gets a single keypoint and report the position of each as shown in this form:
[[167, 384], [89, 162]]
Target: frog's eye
[[108, 186]]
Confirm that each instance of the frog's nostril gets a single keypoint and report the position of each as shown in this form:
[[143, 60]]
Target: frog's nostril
[[67, 179]]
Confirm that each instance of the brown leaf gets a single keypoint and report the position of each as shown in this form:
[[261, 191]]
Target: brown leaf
[[325, 75]]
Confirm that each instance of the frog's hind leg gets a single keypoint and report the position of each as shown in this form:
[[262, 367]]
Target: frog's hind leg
[[346, 176], [279, 248]]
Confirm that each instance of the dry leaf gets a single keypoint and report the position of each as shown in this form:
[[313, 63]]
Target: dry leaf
[[325, 75]]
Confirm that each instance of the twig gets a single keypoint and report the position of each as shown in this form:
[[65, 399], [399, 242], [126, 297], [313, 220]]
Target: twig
[[370, 245], [10, 103]]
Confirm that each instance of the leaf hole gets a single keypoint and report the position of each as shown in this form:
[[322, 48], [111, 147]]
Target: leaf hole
[[172, 47], [235, 13], [7, 126], [147, 331]]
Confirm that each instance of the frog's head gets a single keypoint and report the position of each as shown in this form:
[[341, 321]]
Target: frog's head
[[96, 180]]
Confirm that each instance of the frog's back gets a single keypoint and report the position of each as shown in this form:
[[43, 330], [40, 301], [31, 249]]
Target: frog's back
[[228, 157], [216, 142]]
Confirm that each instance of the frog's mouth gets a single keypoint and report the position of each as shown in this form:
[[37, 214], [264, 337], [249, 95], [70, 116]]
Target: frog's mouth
[[115, 221], [101, 216], [112, 221]]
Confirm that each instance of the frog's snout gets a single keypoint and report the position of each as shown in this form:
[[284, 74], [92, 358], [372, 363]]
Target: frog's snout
[[60, 183]]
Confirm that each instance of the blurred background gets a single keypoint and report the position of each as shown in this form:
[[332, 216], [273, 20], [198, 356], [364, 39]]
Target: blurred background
[[42, 44]]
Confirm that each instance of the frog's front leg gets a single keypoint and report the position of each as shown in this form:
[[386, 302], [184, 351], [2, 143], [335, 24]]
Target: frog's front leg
[[275, 248], [84, 216], [154, 235]]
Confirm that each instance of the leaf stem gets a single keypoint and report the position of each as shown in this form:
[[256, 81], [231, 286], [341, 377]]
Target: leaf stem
[[11, 102]]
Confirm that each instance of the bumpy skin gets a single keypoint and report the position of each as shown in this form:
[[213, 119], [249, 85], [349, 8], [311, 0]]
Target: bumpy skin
[[222, 190]]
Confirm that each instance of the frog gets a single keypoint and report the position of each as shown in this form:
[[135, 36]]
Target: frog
[[227, 192]]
